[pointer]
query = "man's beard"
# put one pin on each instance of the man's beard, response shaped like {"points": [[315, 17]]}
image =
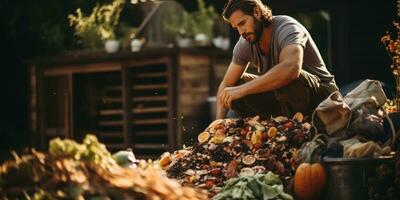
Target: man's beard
{"points": [[259, 25]]}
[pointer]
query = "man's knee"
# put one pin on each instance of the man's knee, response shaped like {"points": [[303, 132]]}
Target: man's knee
{"points": [[296, 96], [294, 90], [299, 93]]}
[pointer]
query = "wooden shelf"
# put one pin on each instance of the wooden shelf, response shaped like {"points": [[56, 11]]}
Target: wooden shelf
{"points": [[150, 75], [111, 112], [110, 123], [135, 110], [149, 98], [150, 133], [150, 86], [150, 110], [150, 121], [111, 99]]}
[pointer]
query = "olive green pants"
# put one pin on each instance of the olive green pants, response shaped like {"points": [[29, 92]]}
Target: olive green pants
{"points": [[301, 95]]}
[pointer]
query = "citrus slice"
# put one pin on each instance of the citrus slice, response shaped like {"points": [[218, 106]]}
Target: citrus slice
{"points": [[248, 160], [203, 137]]}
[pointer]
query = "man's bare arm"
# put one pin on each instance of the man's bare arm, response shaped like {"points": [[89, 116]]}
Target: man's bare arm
{"points": [[288, 69], [231, 77]]}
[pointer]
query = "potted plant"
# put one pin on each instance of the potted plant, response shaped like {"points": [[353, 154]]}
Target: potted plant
{"points": [[197, 25], [99, 27], [204, 19], [181, 25]]}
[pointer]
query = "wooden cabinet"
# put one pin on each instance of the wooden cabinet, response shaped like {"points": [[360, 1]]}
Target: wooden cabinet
{"points": [[151, 101]]}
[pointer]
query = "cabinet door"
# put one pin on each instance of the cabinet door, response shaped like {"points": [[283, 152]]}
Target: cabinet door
{"points": [[55, 105]]}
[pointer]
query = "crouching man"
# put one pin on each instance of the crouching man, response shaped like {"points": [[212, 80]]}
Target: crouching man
{"points": [[292, 75]]}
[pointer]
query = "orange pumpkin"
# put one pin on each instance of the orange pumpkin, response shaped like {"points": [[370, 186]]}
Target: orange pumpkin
{"points": [[309, 181], [310, 178]]}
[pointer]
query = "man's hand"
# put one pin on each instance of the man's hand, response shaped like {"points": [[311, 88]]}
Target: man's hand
{"points": [[231, 78], [228, 94]]}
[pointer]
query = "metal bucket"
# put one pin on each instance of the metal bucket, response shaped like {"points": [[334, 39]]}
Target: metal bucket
{"points": [[347, 177]]}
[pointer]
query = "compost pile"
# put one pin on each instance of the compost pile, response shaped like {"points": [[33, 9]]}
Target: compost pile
{"points": [[85, 171], [230, 148]]}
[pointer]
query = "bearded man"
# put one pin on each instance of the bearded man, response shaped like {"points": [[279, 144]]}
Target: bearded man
{"points": [[292, 76]]}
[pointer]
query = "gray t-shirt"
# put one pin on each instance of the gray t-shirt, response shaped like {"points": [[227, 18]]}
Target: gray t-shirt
{"points": [[285, 31]]}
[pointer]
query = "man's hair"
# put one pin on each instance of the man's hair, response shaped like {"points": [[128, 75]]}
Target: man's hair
{"points": [[247, 7]]}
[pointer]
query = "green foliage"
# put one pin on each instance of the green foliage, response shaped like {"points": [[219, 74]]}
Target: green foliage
{"points": [[204, 19], [90, 150], [99, 25], [259, 186], [181, 25], [190, 24]]}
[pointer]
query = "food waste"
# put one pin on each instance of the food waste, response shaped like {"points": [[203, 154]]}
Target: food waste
{"points": [[229, 148]]}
